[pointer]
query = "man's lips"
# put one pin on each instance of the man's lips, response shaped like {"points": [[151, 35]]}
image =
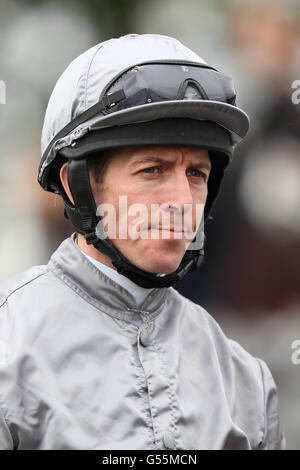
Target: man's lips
{"points": [[168, 229], [165, 228]]}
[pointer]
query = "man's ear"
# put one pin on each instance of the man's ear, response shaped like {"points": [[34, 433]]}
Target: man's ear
{"points": [[64, 181]]}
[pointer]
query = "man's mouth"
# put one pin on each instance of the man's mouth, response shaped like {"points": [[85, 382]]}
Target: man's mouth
{"points": [[168, 229]]}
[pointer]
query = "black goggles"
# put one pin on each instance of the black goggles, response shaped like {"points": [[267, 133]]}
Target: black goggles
{"points": [[156, 82]]}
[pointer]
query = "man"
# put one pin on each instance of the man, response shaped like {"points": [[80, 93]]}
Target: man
{"points": [[99, 350]]}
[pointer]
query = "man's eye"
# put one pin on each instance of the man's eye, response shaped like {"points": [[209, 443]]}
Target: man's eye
{"points": [[148, 170], [198, 173]]}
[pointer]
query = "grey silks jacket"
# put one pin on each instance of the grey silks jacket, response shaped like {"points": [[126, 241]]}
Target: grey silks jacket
{"points": [[76, 372]]}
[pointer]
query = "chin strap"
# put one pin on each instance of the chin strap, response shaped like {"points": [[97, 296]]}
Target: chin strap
{"points": [[150, 280], [85, 220]]}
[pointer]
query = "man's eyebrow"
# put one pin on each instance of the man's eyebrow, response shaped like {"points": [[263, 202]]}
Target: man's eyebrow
{"points": [[149, 159], [202, 165]]}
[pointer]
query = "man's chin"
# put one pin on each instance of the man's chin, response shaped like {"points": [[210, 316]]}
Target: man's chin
{"points": [[159, 267], [154, 258]]}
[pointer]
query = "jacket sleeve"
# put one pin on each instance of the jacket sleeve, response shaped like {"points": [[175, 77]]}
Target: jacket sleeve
{"points": [[6, 441], [274, 438]]}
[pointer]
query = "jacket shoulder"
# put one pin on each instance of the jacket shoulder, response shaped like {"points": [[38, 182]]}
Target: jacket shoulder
{"points": [[224, 347], [20, 281], [238, 370]]}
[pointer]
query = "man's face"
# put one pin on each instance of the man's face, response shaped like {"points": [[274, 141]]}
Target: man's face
{"points": [[154, 178]]}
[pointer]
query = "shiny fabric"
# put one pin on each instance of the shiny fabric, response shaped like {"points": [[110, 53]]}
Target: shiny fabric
{"points": [[76, 372]]}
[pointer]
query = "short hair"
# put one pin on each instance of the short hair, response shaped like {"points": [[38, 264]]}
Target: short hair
{"points": [[98, 164]]}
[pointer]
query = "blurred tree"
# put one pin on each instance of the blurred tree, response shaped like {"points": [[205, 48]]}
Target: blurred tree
{"points": [[115, 17]]}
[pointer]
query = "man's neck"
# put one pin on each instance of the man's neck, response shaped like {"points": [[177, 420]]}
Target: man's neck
{"points": [[91, 251], [138, 292]]}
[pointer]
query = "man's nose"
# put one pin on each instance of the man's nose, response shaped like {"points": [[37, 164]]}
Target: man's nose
{"points": [[179, 193]]}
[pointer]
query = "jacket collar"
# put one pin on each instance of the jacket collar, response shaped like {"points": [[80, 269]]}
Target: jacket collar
{"points": [[72, 267]]}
